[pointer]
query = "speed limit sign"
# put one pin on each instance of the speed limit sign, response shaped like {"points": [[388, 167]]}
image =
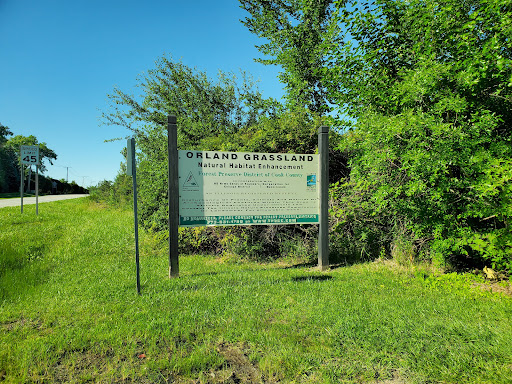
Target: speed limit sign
{"points": [[29, 154]]}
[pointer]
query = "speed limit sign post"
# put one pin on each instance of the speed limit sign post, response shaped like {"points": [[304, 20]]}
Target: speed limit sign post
{"points": [[29, 155]]}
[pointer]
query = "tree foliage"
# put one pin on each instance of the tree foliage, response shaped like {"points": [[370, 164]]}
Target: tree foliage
{"points": [[296, 32], [8, 169], [423, 166], [206, 109], [428, 55], [415, 176], [9, 157], [45, 153], [430, 84], [427, 87], [226, 115], [292, 131], [4, 133]]}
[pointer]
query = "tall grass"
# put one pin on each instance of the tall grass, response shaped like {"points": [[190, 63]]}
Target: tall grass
{"points": [[70, 313]]}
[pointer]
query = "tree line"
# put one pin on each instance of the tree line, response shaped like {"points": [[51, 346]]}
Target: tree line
{"points": [[10, 168], [418, 94]]}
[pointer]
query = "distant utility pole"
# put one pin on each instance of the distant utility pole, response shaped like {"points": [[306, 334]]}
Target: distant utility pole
{"points": [[67, 171]]}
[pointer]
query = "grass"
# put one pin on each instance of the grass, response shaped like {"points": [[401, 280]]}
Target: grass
{"points": [[70, 313]]}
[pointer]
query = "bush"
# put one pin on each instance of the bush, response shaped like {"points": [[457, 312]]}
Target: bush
{"points": [[416, 180], [257, 243]]}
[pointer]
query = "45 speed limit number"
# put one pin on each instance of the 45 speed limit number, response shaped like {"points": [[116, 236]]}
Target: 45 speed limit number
{"points": [[29, 154]]}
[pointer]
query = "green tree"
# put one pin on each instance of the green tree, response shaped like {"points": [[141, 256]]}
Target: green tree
{"points": [[8, 164], [205, 109], [289, 131], [296, 32], [14, 145], [427, 87], [4, 133], [430, 86], [428, 55], [45, 153]]}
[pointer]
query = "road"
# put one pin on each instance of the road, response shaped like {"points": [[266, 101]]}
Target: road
{"points": [[16, 202]]}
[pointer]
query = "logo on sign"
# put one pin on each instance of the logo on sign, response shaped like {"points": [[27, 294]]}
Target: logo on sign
{"points": [[190, 183], [311, 180]]}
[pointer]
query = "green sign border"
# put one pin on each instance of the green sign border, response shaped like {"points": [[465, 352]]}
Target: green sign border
{"points": [[248, 220]]}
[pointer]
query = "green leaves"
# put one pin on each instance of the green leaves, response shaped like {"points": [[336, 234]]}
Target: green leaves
{"points": [[14, 143], [204, 107], [428, 86], [441, 181], [296, 32], [382, 44], [210, 112]]}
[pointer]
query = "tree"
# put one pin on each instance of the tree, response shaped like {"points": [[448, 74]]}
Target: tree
{"points": [[430, 86], [204, 108], [14, 145], [4, 132], [8, 168], [421, 54], [45, 153], [427, 85], [296, 32]]}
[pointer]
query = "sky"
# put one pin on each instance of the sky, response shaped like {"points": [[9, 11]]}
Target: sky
{"points": [[59, 59]]}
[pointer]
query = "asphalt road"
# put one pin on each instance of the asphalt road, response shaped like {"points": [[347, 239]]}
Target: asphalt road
{"points": [[16, 202]]}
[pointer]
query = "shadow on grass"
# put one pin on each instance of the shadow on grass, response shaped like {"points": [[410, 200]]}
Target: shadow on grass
{"points": [[334, 263], [301, 265], [204, 274], [312, 278]]}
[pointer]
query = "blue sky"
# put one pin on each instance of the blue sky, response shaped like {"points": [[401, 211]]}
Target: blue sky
{"points": [[60, 58]]}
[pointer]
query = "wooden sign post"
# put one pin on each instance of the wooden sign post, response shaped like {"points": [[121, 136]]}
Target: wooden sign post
{"points": [[323, 233], [172, 135]]}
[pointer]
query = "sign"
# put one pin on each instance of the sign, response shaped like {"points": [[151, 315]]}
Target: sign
{"points": [[243, 188], [232, 188], [29, 154], [130, 155]]}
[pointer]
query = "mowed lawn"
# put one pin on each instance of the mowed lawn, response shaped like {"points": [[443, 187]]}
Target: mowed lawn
{"points": [[70, 313]]}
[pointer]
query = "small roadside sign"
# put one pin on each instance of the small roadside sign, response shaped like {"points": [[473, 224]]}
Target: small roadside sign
{"points": [[130, 155], [29, 154]]}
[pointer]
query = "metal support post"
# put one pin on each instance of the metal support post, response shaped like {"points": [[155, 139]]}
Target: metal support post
{"points": [[22, 186], [131, 170], [37, 189]]}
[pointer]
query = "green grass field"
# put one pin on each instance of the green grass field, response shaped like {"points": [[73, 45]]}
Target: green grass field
{"points": [[70, 314]]}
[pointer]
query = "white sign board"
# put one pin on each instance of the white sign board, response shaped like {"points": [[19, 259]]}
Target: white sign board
{"points": [[242, 188], [29, 154]]}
